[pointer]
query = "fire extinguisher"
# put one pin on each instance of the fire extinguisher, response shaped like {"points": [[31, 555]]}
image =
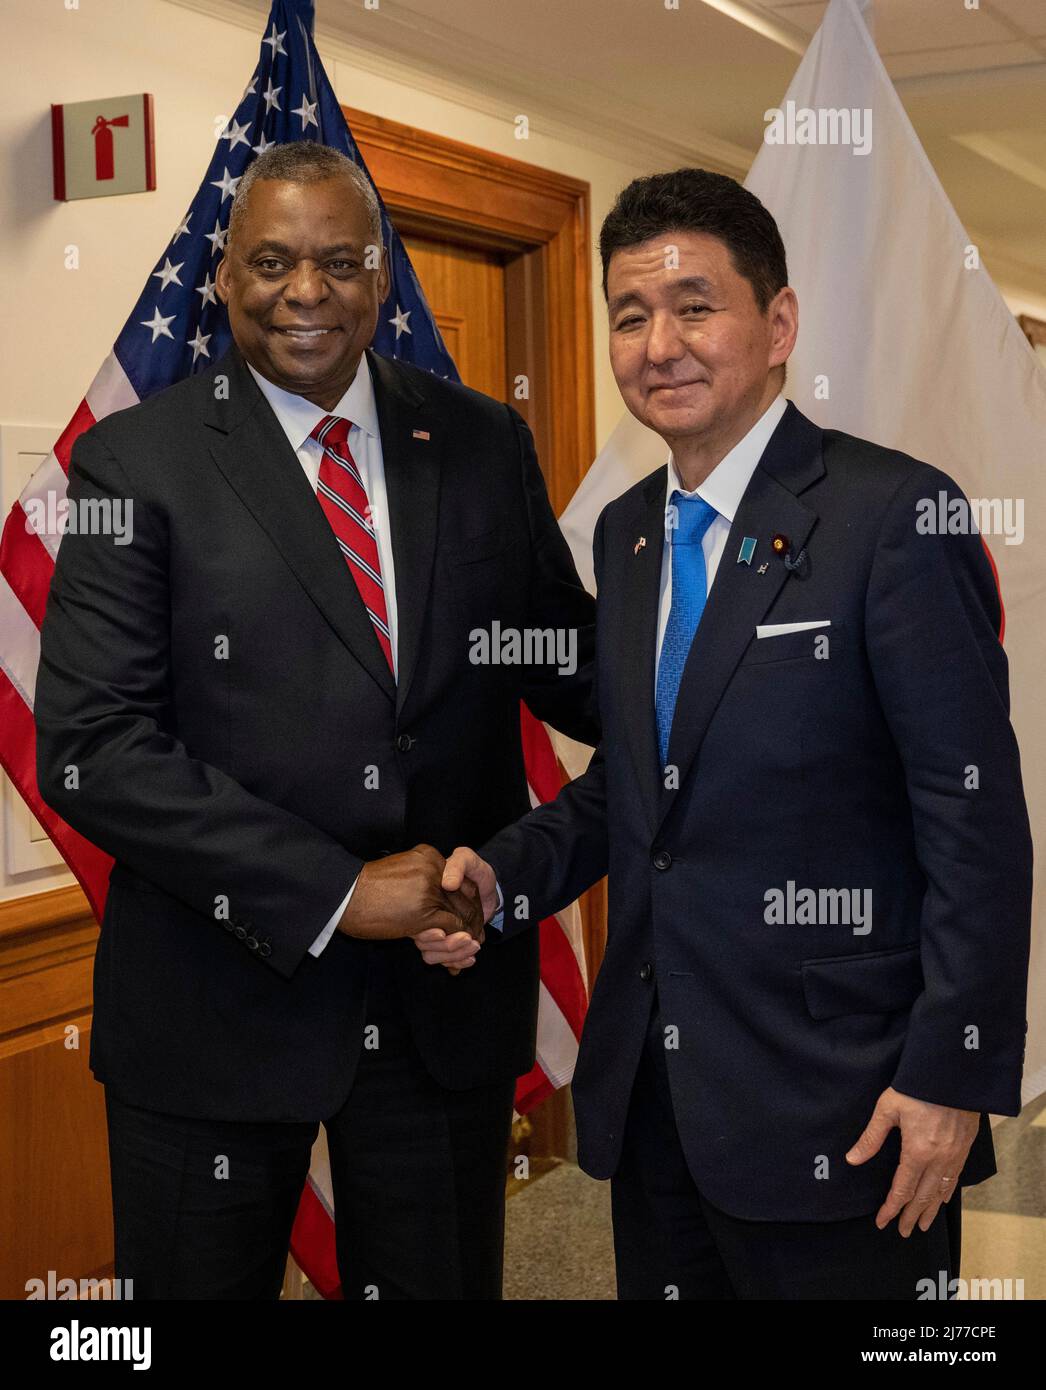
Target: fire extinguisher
{"points": [[103, 145]]}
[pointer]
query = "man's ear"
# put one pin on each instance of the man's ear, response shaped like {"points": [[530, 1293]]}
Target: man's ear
{"points": [[783, 314], [221, 279], [383, 276]]}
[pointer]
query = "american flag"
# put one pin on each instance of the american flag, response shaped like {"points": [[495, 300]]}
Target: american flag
{"points": [[177, 327]]}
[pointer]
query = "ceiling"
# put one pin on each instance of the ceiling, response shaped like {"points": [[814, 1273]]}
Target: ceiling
{"points": [[692, 83], [918, 37]]}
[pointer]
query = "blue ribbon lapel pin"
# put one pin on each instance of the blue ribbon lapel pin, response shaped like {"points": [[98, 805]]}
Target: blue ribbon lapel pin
{"points": [[745, 554]]}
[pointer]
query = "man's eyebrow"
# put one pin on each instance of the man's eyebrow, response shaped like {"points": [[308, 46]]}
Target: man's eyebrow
{"points": [[696, 284], [620, 300], [281, 249], [686, 284]]}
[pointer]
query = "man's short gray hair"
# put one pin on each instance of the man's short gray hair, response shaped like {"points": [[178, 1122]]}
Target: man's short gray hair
{"points": [[303, 161]]}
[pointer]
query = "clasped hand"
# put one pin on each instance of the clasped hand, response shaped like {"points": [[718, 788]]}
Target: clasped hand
{"points": [[408, 895], [464, 872]]}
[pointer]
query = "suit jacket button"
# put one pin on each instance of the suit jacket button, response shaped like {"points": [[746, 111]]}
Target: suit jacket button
{"points": [[662, 859], [405, 742], [229, 926], [265, 949], [646, 971], [252, 944], [241, 933]]}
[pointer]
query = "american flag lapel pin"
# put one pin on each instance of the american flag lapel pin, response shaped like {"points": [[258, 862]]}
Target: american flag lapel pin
{"points": [[421, 434], [639, 545]]}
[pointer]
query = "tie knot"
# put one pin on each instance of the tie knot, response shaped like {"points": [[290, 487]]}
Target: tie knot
{"points": [[688, 518], [332, 429]]}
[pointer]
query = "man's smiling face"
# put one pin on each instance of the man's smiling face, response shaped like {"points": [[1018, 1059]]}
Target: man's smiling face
{"points": [[689, 346], [302, 303]]}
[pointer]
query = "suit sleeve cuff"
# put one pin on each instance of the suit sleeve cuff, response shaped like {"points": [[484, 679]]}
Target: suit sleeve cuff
{"points": [[498, 920]]}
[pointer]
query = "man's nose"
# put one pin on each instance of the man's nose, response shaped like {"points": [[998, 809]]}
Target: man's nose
{"points": [[664, 341], [307, 285]]}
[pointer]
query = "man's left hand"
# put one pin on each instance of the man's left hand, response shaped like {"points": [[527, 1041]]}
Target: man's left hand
{"points": [[454, 950], [935, 1140]]}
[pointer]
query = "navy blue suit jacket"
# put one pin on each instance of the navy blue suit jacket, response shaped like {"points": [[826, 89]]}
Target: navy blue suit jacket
{"points": [[845, 765]]}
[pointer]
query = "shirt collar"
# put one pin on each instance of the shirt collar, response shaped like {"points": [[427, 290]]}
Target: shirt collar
{"points": [[299, 417], [725, 485]]}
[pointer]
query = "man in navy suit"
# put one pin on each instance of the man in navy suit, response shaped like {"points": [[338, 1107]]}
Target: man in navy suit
{"points": [[808, 799]]}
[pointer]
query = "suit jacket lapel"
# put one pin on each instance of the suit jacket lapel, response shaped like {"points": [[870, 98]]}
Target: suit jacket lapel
{"points": [[412, 444], [252, 451], [740, 595], [639, 621]]}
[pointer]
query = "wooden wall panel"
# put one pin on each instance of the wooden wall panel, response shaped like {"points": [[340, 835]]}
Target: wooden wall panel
{"points": [[55, 1212]]}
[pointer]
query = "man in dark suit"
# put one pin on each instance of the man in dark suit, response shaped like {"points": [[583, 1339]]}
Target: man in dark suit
{"points": [[258, 707], [808, 796]]}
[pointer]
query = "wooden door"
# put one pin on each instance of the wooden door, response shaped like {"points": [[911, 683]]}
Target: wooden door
{"points": [[465, 288]]}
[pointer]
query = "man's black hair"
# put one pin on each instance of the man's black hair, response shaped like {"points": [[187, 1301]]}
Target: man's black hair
{"points": [[696, 200]]}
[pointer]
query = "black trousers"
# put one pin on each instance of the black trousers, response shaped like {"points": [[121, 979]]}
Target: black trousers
{"points": [[670, 1242], [203, 1209]]}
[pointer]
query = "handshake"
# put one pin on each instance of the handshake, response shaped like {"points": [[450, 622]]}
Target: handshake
{"points": [[442, 904]]}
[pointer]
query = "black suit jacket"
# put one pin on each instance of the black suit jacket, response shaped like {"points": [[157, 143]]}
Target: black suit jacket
{"points": [[265, 778], [838, 767]]}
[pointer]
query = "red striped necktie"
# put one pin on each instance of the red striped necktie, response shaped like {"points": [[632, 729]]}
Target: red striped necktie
{"points": [[343, 497]]}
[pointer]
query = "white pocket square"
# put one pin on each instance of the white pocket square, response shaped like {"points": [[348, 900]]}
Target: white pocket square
{"points": [[779, 629]]}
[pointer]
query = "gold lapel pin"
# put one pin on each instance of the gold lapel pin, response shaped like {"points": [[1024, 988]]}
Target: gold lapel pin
{"points": [[639, 545]]}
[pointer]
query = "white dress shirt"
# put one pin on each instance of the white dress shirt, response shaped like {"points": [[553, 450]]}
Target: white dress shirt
{"points": [[298, 418], [722, 489]]}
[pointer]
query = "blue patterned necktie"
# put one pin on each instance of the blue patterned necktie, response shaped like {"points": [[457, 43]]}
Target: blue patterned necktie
{"points": [[693, 516]]}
